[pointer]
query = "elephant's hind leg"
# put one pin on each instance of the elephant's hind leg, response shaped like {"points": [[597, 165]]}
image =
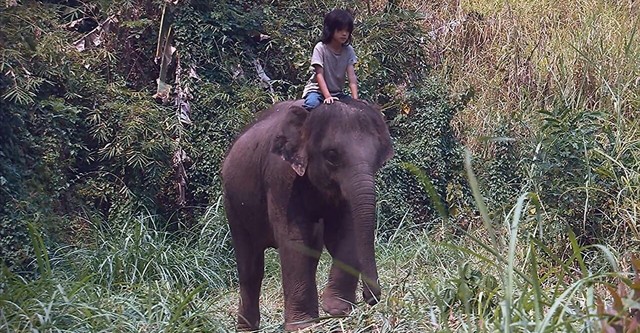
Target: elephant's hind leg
{"points": [[250, 262]]}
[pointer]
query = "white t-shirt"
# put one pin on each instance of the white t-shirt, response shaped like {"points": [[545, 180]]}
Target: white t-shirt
{"points": [[334, 66]]}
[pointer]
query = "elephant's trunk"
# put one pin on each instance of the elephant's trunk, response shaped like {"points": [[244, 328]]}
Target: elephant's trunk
{"points": [[363, 206]]}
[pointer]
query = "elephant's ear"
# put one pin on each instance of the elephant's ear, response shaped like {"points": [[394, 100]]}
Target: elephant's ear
{"points": [[386, 149], [289, 142], [385, 152]]}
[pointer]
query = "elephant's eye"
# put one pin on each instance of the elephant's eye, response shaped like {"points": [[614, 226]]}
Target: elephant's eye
{"points": [[332, 157]]}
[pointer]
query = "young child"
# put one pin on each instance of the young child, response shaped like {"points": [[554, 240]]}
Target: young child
{"points": [[333, 58]]}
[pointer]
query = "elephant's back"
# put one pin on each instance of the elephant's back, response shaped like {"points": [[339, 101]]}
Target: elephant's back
{"points": [[263, 127], [276, 111]]}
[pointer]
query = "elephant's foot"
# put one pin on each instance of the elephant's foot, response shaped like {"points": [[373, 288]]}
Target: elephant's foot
{"points": [[246, 324], [336, 305], [300, 326], [244, 327]]}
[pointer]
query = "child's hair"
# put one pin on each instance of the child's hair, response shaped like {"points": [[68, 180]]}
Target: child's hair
{"points": [[337, 19]]}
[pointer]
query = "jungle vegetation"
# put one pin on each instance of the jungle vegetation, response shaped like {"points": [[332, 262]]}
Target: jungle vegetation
{"points": [[512, 203]]}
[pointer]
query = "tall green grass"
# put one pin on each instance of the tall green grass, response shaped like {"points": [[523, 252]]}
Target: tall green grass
{"points": [[132, 278]]}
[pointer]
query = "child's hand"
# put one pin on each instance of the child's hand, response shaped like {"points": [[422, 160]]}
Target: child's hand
{"points": [[330, 100]]}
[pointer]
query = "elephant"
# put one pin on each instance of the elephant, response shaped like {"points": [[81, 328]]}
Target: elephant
{"points": [[300, 181]]}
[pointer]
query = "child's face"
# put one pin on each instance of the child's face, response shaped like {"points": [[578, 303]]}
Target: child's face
{"points": [[341, 35]]}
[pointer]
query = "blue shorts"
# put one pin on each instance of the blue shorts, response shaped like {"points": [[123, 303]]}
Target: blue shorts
{"points": [[314, 99]]}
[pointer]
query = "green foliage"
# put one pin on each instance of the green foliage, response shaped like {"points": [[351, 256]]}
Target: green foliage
{"points": [[39, 140], [471, 290], [502, 172], [133, 140], [218, 36], [75, 136], [423, 138], [138, 252], [519, 282], [565, 171], [382, 70], [15, 249]]}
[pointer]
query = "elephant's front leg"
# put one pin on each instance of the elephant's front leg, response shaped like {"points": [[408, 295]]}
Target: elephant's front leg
{"points": [[339, 295], [299, 240], [299, 261]]}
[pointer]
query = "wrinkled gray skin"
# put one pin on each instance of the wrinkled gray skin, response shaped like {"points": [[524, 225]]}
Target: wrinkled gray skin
{"points": [[298, 180]]}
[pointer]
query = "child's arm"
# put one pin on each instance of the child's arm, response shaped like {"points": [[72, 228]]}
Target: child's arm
{"points": [[322, 84], [353, 81]]}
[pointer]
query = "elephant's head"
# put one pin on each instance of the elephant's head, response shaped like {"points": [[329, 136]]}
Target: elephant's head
{"points": [[339, 147]]}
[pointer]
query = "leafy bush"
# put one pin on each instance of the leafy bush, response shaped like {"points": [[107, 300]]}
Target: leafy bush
{"points": [[577, 172], [423, 138], [132, 141], [382, 70], [15, 248], [41, 131], [502, 172], [75, 135]]}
